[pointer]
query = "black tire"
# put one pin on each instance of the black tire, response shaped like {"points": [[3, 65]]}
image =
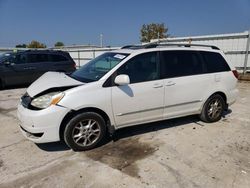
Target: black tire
{"points": [[85, 131], [213, 109], [1, 84]]}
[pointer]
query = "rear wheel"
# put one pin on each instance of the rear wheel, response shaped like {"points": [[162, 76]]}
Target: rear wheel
{"points": [[213, 109], [85, 131]]}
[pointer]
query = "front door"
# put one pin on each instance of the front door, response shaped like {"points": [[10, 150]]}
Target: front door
{"points": [[141, 100]]}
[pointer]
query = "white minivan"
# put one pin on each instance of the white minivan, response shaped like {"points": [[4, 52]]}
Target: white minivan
{"points": [[130, 86]]}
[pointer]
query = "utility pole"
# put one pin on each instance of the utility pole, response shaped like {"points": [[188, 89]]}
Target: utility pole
{"points": [[101, 40]]}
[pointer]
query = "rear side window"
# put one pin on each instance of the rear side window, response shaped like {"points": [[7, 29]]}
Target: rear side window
{"points": [[37, 58], [181, 63], [57, 58], [215, 62]]}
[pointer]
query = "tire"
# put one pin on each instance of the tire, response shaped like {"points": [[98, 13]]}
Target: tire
{"points": [[213, 109], [1, 84], [85, 131]]}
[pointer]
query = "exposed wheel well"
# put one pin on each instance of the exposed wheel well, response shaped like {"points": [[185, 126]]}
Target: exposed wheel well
{"points": [[222, 94], [73, 113]]}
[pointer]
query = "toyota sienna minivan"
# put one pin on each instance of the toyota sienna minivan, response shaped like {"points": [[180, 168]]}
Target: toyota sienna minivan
{"points": [[130, 86]]}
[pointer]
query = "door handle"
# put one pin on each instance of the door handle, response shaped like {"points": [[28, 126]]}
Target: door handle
{"points": [[29, 68], [157, 85], [170, 83]]}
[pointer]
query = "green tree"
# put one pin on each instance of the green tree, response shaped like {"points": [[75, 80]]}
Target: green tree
{"points": [[153, 31], [21, 46], [36, 44], [59, 44]]}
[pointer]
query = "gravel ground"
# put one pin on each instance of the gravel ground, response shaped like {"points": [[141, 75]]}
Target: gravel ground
{"points": [[183, 152]]}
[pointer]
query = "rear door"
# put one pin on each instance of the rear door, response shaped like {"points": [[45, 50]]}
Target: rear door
{"points": [[142, 99], [186, 83]]}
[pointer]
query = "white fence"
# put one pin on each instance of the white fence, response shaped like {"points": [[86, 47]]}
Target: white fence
{"points": [[82, 55], [235, 46]]}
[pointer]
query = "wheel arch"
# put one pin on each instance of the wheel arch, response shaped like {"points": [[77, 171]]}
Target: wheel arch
{"points": [[73, 113], [222, 94]]}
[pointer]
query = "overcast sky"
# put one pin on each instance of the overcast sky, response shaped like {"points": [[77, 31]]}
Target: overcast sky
{"points": [[82, 21]]}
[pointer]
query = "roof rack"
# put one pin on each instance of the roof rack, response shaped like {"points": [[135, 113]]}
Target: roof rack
{"points": [[154, 45]]}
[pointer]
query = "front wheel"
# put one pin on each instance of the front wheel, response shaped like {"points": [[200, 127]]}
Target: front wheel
{"points": [[85, 131], [213, 109]]}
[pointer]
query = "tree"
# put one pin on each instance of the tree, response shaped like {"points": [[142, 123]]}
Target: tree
{"points": [[153, 31], [36, 44], [59, 44], [21, 46]]}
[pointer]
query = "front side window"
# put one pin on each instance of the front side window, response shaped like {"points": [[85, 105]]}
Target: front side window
{"points": [[18, 58], [98, 67], [181, 63], [141, 68]]}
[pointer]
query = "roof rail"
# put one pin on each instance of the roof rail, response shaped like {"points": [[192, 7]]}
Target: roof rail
{"points": [[188, 45], [154, 45], [134, 47]]}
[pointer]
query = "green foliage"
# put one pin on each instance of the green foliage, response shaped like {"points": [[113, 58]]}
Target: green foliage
{"points": [[153, 31], [59, 44], [21, 46], [36, 44]]}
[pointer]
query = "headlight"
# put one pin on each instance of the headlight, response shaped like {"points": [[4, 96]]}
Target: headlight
{"points": [[46, 100]]}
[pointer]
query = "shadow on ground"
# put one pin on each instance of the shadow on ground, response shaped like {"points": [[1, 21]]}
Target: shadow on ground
{"points": [[134, 130], [128, 132]]}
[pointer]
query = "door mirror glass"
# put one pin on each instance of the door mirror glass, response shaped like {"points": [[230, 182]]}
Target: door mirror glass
{"points": [[122, 80]]}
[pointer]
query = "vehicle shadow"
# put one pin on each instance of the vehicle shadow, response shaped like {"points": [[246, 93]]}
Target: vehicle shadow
{"points": [[153, 127], [135, 130], [53, 146]]}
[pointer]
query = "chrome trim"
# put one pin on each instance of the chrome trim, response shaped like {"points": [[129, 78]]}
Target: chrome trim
{"points": [[139, 111], [157, 108], [184, 103]]}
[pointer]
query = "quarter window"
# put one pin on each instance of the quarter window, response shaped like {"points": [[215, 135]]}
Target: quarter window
{"points": [[215, 62], [141, 68]]}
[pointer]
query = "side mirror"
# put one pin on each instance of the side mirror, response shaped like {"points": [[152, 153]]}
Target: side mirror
{"points": [[122, 80]]}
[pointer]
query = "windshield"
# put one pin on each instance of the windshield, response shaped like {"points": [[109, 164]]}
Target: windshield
{"points": [[98, 67]]}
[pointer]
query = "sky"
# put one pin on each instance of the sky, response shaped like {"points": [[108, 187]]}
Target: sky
{"points": [[82, 21]]}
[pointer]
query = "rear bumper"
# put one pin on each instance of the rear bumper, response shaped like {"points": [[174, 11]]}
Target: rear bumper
{"points": [[232, 96]]}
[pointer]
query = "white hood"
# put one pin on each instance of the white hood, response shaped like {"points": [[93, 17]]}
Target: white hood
{"points": [[51, 80]]}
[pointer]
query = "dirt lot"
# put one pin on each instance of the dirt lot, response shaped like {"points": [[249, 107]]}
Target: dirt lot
{"points": [[183, 152]]}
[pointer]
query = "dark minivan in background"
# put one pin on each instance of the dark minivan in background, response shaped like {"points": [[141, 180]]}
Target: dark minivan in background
{"points": [[21, 68]]}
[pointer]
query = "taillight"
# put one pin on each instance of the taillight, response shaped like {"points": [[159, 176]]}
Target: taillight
{"points": [[236, 74]]}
